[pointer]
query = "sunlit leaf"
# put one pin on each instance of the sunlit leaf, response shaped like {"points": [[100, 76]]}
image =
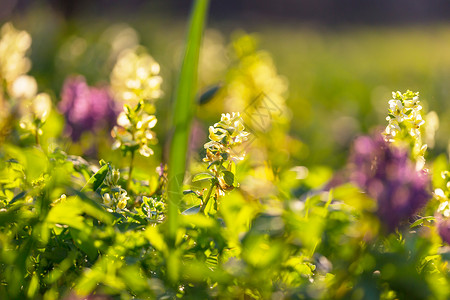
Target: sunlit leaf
{"points": [[96, 180], [192, 210], [202, 177]]}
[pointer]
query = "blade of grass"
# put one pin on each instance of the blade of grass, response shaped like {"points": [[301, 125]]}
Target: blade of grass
{"points": [[182, 117]]}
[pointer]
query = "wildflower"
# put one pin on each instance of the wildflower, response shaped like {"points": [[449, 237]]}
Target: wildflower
{"points": [[153, 207], [116, 197], [224, 135], [86, 108], [112, 178], [13, 46], [136, 82], [24, 87], [107, 199], [254, 86], [443, 226], [388, 175], [37, 112], [41, 106], [135, 131], [444, 208], [34, 107], [405, 124], [135, 77], [442, 195], [212, 62], [122, 200]]}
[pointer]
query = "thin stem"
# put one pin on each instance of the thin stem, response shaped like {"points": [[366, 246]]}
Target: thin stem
{"points": [[213, 183], [130, 169], [36, 137]]}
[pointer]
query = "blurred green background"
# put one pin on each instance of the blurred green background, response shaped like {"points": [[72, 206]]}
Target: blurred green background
{"points": [[341, 67]]}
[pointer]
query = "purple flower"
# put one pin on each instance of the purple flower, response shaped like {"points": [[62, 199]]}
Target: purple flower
{"points": [[443, 226], [86, 108], [388, 175]]}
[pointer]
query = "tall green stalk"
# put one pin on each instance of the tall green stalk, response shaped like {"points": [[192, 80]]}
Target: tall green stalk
{"points": [[183, 112]]}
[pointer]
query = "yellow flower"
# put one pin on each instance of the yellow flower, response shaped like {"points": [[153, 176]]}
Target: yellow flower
{"points": [[41, 106], [224, 135], [38, 109], [13, 46], [136, 77], [405, 122], [107, 199], [23, 87]]}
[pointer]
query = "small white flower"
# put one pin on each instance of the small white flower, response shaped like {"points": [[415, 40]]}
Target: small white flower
{"points": [[107, 199], [144, 150], [24, 87], [122, 120], [41, 106]]}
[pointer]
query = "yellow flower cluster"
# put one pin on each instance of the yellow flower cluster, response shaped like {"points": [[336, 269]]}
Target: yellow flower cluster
{"points": [[224, 135], [21, 88], [37, 110], [443, 195], [405, 122], [13, 46], [117, 198], [136, 82], [135, 77], [254, 85], [404, 109], [134, 133]]}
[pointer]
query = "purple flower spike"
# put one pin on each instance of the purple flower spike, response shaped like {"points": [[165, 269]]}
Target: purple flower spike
{"points": [[388, 175], [443, 226], [86, 108]]}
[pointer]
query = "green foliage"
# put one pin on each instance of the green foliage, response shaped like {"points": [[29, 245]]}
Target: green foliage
{"points": [[246, 226]]}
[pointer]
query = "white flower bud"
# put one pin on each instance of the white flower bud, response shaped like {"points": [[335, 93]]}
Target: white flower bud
{"points": [[41, 106], [24, 87]]}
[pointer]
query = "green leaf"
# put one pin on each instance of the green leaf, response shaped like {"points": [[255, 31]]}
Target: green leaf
{"points": [[84, 242], [210, 208], [96, 180], [202, 177], [228, 177], [19, 196], [187, 192], [216, 162], [421, 221], [70, 212], [67, 213], [209, 94], [94, 209], [192, 210], [155, 238]]}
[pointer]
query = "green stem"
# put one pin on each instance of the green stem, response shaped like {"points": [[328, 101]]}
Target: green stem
{"points": [[205, 202], [130, 170], [36, 137]]}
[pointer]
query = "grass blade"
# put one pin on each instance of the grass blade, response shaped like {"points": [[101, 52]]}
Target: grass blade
{"points": [[185, 103], [183, 112]]}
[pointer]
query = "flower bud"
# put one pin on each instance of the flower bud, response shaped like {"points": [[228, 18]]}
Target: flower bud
{"points": [[41, 106], [116, 176], [24, 87], [107, 199]]}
